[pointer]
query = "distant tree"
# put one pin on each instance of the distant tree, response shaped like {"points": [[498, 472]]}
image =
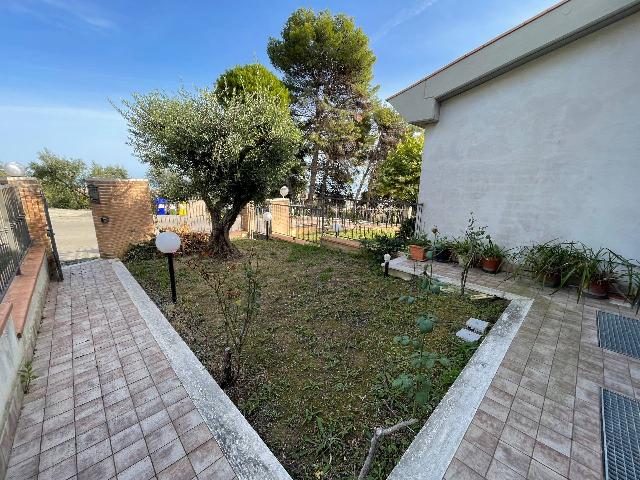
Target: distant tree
{"points": [[254, 77], [399, 174], [387, 129], [169, 184], [250, 79], [62, 180], [327, 66], [232, 150], [107, 171]]}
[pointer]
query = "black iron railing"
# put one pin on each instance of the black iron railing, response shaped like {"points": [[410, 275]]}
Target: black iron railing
{"points": [[339, 217], [14, 236]]}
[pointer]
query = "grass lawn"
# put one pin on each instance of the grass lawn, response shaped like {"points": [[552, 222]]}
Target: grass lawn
{"points": [[320, 359]]}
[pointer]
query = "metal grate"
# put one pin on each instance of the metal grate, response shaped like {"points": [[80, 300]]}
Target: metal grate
{"points": [[621, 435], [619, 334]]}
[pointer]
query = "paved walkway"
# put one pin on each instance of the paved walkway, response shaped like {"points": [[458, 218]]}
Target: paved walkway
{"points": [[540, 418], [106, 403]]}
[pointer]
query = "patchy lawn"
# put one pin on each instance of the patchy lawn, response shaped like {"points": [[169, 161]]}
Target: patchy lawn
{"points": [[320, 359]]}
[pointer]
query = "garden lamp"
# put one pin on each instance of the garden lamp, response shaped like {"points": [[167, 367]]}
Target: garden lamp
{"points": [[14, 169], [267, 220], [283, 191], [169, 243], [387, 259]]}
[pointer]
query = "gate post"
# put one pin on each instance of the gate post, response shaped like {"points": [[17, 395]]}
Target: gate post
{"points": [[122, 213]]}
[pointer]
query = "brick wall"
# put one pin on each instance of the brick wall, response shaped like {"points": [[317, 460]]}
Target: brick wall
{"points": [[30, 192], [123, 216]]}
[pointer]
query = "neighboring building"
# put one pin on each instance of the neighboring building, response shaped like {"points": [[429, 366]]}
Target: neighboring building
{"points": [[538, 131]]}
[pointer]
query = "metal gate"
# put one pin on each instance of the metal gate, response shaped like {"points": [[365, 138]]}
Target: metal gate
{"points": [[14, 236]]}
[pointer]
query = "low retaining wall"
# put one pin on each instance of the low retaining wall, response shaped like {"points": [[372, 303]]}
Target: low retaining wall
{"points": [[20, 315], [339, 243]]}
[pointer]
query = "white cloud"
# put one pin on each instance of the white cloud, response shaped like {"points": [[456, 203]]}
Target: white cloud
{"points": [[63, 13], [403, 16]]}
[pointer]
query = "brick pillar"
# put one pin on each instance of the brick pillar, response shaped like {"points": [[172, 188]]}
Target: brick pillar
{"points": [[247, 217], [280, 208], [122, 213], [31, 195]]}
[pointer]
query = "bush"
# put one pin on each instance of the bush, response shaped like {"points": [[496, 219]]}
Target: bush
{"points": [[407, 228], [191, 243], [381, 244]]}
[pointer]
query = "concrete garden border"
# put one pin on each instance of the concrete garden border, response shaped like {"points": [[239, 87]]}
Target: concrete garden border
{"points": [[433, 448], [247, 453], [426, 458]]}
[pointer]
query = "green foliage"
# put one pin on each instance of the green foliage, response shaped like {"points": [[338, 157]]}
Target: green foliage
{"points": [[492, 250], [379, 245], [398, 176], [420, 240], [252, 78], [169, 184], [407, 228], [62, 178], [327, 66], [318, 51], [108, 171], [27, 375], [232, 151]]}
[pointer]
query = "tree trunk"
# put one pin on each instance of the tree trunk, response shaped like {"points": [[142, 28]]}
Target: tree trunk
{"points": [[362, 180], [313, 170], [219, 242]]}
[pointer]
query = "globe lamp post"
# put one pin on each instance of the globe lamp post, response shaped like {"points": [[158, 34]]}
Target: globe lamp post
{"points": [[169, 243]]}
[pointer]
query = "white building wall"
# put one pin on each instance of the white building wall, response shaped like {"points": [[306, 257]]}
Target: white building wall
{"points": [[548, 150]]}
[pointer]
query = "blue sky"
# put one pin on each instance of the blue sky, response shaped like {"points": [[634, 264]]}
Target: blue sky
{"points": [[62, 60]]}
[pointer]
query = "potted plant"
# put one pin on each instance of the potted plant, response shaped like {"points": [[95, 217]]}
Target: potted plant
{"points": [[596, 270], [419, 245], [550, 263], [442, 249], [492, 256]]}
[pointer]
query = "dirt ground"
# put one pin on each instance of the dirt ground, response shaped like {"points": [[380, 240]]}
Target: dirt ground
{"points": [[74, 233]]}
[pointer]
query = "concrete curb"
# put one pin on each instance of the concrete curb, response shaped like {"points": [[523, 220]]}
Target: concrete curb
{"points": [[433, 448], [247, 453]]}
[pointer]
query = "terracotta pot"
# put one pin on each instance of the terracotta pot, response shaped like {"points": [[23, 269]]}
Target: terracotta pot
{"points": [[597, 289], [417, 253], [491, 264]]}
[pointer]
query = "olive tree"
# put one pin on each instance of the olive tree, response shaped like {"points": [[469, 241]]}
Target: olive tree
{"points": [[229, 151]]}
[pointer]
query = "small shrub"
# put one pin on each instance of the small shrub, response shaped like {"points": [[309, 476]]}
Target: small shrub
{"points": [[407, 228], [379, 245], [27, 375]]}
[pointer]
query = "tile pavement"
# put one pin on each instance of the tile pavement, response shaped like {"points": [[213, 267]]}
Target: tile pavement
{"points": [[540, 418], [106, 403]]}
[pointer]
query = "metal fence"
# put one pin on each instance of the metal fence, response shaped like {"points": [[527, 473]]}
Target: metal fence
{"points": [[14, 236], [338, 217]]}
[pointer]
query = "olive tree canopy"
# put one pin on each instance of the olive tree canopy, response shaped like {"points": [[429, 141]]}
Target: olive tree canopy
{"points": [[229, 151]]}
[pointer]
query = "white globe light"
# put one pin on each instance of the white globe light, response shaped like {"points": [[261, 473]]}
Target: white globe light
{"points": [[283, 191], [168, 242], [14, 169], [267, 216], [387, 257]]}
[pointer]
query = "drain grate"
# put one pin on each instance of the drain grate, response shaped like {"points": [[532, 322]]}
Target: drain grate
{"points": [[621, 434], [619, 334]]}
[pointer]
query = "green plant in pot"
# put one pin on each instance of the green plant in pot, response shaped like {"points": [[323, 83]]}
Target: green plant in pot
{"points": [[597, 270], [492, 256], [550, 263], [419, 245], [441, 246]]}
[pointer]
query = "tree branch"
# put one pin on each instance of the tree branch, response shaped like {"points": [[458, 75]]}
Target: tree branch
{"points": [[378, 433]]}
